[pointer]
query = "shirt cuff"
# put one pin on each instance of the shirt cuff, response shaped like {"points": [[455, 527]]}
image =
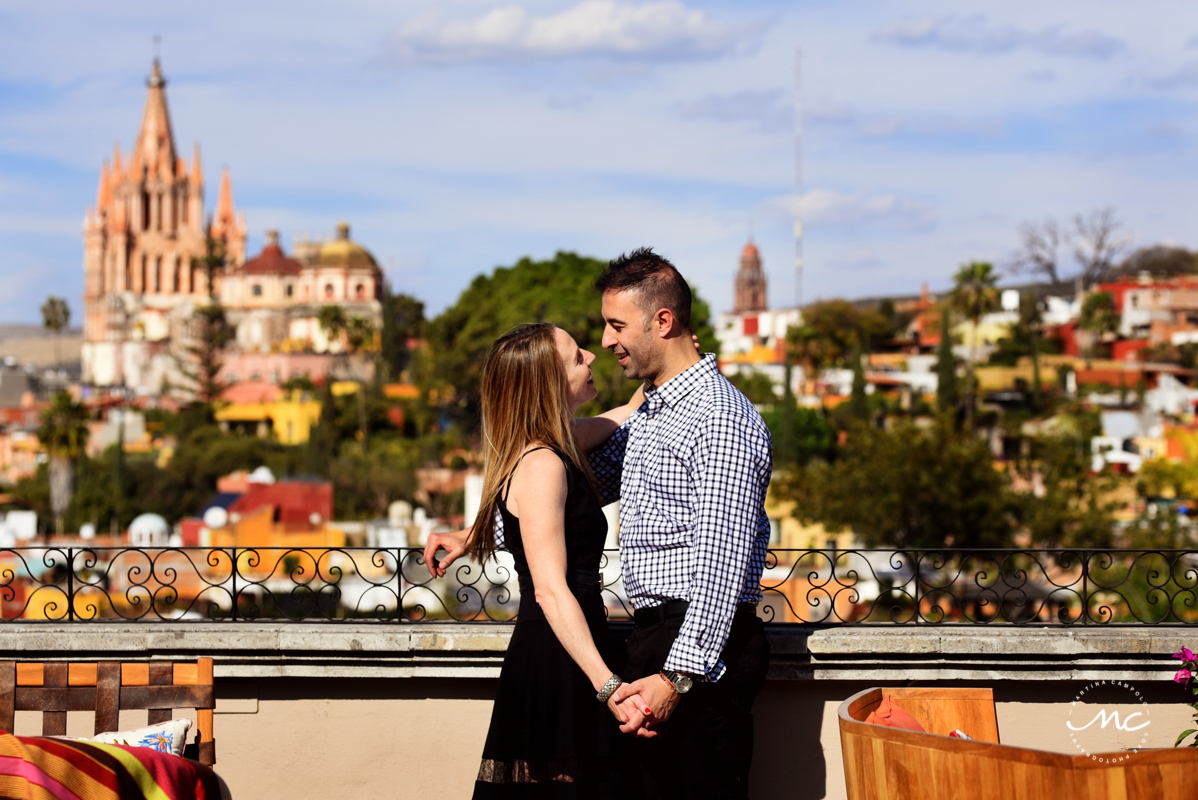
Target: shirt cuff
{"points": [[708, 672]]}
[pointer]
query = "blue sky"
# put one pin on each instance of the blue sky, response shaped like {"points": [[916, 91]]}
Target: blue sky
{"points": [[459, 135]]}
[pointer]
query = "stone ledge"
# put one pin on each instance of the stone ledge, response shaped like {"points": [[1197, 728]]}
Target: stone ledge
{"points": [[475, 650]]}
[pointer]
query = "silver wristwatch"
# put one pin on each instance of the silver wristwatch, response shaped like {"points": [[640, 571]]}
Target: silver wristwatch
{"points": [[609, 688], [680, 683]]}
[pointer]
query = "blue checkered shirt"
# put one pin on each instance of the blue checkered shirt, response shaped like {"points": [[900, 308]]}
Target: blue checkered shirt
{"points": [[691, 467]]}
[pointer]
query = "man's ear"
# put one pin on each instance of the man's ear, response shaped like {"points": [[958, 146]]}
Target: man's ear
{"points": [[664, 323]]}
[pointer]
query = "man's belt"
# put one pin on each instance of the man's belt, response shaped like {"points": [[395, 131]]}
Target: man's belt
{"points": [[655, 615]]}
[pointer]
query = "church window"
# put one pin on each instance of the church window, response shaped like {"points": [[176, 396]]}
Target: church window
{"points": [[328, 290], [289, 290], [158, 274], [360, 290], [257, 290]]}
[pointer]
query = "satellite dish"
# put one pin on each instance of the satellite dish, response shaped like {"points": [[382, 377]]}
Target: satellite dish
{"points": [[216, 517]]}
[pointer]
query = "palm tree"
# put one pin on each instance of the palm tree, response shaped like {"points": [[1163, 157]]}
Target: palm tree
{"points": [[56, 315], [975, 295], [63, 433]]}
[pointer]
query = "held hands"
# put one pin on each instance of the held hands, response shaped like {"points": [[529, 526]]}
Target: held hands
{"points": [[654, 692], [633, 713]]}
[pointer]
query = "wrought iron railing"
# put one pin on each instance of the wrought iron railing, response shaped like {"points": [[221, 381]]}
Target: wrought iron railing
{"points": [[807, 587]]}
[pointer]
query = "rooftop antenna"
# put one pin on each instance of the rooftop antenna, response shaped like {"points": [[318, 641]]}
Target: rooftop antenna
{"points": [[798, 204], [157, 46]]}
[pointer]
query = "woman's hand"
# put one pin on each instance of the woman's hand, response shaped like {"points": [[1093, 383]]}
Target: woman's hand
{"points": [[453, 542]]}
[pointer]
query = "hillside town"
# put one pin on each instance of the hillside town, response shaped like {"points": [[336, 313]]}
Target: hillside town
{"points": [[306, 363], [599, 398]]}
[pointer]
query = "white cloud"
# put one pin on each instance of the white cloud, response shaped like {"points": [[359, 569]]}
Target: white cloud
{"points": [[832, 209], [829, 114], [666, 31], [767, 108], [1185, 75], [974, 34]]}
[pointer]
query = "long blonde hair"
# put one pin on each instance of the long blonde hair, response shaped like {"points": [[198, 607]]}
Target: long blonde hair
{"points": [[525, 399]]}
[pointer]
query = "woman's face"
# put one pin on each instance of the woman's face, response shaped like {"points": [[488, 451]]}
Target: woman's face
{"points": [[579, 382]]}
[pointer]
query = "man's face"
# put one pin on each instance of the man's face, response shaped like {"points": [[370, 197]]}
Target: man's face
{"points": [[625, 335]]}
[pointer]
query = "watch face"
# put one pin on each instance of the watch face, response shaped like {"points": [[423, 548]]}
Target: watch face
{"points": [[681, 683]]}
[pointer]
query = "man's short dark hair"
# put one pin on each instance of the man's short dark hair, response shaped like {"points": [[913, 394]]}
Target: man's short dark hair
{"points": [[654, 282]]}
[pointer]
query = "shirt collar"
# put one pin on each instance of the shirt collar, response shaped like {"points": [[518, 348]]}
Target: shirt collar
{"points": [[681, 384]]}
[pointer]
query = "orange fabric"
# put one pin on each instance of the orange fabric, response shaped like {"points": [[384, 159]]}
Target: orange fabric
{"points": [[889, 713]]}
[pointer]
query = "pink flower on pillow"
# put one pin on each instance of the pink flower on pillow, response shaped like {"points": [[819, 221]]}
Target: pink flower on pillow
{"points": [[159, 740], [1185, 655], [1183, 676]]}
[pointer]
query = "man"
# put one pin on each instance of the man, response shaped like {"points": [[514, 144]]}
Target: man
{"points": [[691, 468]]}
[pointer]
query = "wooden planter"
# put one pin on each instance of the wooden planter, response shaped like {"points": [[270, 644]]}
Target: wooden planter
{"points": [[883, 763]]}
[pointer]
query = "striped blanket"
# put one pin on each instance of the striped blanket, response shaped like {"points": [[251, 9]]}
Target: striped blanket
{"points": [[60, 769]]}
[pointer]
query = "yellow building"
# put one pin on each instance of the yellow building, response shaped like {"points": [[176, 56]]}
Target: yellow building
{"points": [[288, 420]]}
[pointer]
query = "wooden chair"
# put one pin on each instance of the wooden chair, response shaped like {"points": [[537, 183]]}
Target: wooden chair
{"points": [[56, 687], [883, 763]]}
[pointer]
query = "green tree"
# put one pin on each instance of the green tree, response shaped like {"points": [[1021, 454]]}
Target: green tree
{"points": [[1066, 506], [366, 482], [975, 294], [811, 436], [56, 315], [756, 386], [1098, 317], [63, 433], [403, 321], [211, 330], [560, 291], [914, 486], [947, 391], [356, 338], [858, 405]]}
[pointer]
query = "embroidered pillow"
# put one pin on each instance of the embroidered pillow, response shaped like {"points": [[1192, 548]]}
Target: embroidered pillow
{"points": [[165, 737]]}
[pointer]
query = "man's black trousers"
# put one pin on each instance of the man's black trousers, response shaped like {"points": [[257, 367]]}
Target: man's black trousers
{"points": [[705, 748]]}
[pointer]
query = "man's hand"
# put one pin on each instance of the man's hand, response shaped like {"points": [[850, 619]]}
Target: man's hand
{"points": [[453, 542], [656, 691], [633, 715]]}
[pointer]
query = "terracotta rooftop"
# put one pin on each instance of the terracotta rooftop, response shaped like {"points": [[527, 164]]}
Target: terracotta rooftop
{"points": [[272, 260]]}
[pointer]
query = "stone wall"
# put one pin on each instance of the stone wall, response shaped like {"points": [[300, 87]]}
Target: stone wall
{"points": [[401, 711]]}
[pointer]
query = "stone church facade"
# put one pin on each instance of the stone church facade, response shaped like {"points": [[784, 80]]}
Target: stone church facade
{"points": [[143, 284]]}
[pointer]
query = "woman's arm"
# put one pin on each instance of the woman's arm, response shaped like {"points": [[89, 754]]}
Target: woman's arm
{"points": [[538, 498], [590, 432]]}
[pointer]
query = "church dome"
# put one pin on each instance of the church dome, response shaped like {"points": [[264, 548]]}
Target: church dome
{"points": [[341, 252], [750, 251], [272, 260]]}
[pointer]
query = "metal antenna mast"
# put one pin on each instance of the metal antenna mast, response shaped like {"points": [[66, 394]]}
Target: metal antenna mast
{"points": [[798, 204]]}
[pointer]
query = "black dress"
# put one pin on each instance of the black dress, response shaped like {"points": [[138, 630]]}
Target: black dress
{"points": [[549, 736]]}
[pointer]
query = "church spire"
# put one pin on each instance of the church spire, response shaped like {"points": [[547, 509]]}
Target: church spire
{"points": [[224, 220], [197, 171], [155, 147], [750, 281], [104, 193]]}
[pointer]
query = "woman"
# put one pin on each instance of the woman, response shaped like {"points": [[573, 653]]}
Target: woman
{"points": [[548, 735]]}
